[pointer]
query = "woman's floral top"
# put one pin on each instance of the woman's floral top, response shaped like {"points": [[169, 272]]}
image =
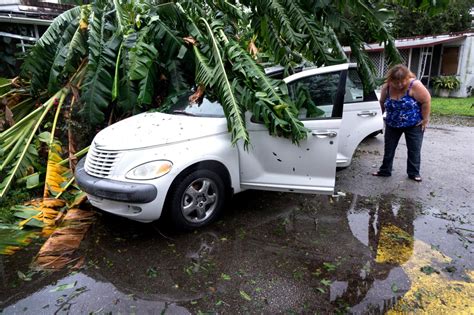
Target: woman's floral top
{"points": [[405, 112]]}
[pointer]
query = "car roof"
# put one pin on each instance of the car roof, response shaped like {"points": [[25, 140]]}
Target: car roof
{"points": [[277, 71]]}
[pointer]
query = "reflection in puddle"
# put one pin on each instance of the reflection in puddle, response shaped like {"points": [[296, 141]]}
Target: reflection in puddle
{"points": [[433, 290], [390, 228], [81, 294], [276, 253]]}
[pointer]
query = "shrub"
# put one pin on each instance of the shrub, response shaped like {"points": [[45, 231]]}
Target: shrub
{"points": [[448, 82]]}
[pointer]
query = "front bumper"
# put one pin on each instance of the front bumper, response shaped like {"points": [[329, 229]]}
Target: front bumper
{"points": [[113, 189]]}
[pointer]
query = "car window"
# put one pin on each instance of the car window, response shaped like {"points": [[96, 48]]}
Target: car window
{"points": [[315, 95], [354, 88], [205, 108]]}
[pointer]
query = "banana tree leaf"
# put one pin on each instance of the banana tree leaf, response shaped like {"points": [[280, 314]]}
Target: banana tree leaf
{"points": [[33, 181], [12, 238], [25, 212]]}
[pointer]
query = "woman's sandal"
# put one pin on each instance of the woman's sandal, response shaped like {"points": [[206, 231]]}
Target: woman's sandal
{"points": [[416, 178], [380, 174]]}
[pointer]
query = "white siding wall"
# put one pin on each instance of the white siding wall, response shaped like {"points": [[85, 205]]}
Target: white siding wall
{"points": [[466, 68]]}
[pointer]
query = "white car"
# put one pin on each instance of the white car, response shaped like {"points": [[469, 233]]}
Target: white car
{"points": [[183, 164]]}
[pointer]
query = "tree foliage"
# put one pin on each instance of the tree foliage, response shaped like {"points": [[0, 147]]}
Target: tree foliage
{"points": [[413, 18], [136, 48]]}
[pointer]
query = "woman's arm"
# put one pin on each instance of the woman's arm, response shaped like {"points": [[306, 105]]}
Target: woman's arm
{"points": [[422, 95], [383, 96]]}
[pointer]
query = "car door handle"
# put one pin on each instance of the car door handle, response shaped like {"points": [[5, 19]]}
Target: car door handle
{"points": [[367, 114], [324, 134]]}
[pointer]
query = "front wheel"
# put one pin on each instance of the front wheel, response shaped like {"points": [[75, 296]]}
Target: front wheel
{"points": [[197, 199]]}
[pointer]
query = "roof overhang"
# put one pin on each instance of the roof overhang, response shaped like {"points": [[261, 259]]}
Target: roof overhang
{"points": [[414, 42], [31, 11], [24, 20]]}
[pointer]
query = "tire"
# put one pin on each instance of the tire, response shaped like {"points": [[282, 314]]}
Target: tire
{"points": [[197, 200]]}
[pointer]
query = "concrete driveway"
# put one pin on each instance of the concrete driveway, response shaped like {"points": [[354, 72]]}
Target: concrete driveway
{"points": [[447, 168]]}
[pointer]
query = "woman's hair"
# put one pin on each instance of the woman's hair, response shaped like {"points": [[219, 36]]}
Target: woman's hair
{"points": [[399, 72]]}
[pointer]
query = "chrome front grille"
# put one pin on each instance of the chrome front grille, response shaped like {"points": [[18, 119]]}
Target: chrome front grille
{"points": [[100, 163]]}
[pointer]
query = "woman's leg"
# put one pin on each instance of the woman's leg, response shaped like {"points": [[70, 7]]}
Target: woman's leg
{"points": [[392, 136], [414, 140]]}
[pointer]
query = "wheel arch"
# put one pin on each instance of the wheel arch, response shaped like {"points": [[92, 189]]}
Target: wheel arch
{"points": [[212, 165]]}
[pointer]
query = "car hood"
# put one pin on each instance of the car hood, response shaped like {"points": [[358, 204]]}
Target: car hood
{"points": [[154, 129]]}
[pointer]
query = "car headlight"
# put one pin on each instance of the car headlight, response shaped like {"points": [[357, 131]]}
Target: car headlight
{"points": [[150, 170]]}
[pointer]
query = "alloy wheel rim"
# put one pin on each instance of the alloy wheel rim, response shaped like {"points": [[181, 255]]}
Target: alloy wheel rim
{"points": [[199, 200]]}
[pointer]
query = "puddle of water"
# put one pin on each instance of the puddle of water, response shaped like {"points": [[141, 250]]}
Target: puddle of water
{"points": [[274, 253], [80, 294]]}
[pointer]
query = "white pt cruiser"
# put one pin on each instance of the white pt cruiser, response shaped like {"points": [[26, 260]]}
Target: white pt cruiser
{"points": [[182, 165]]}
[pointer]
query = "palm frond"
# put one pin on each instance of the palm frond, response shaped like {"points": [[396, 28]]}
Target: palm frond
{"points": [[23, 108], [375, 20], [142, 66], [141, 59], [171, 45], [226, 89], [121, 15], [365, 66], [13, 238], [193, 9], [39, 212], [337, 50], [126, 89], [271, 40], [77, 49], [234, 11], [23, 146], [270, 93], [146, 85], [97, 88], [55, 179], [319, 46], [13, 145], [176, 72], [19, 125], [279, 12], [32, 180], [5, 86], [60, 248], [22, 152], [38, 63], [204, 71], [54, 171], [60, 56]]}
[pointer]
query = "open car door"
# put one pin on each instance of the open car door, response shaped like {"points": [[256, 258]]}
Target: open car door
{"points": [[275, 163]]}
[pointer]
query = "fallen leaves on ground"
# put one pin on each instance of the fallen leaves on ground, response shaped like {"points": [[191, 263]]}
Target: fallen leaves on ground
{"points": [[60, 249]]}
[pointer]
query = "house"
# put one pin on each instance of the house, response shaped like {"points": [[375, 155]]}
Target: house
{"points": [[430, 56], [22, 22]]}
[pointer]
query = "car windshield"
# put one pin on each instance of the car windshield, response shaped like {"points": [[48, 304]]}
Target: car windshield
{"points": [[205, 108]]}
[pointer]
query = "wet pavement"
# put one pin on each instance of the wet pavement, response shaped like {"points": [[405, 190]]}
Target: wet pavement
{"points": [[383, 245]]}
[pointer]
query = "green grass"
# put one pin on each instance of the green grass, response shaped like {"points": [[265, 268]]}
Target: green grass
{"points": [[452, 106]]}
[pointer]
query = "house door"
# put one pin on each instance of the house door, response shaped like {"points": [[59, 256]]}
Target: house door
{"points": [[450, 59]]}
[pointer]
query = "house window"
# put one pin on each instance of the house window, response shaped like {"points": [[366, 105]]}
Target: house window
{"points": [[377, 59], [449, 63]]}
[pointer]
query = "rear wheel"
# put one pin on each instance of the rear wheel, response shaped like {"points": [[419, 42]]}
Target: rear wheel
{"points": [[197, 199]]}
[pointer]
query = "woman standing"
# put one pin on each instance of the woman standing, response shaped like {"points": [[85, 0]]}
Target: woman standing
{"points": [[407, 103]]}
